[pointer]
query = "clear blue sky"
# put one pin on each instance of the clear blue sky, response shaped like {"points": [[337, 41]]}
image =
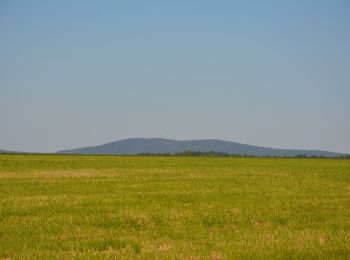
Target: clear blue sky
{"points": [[269, 73]]}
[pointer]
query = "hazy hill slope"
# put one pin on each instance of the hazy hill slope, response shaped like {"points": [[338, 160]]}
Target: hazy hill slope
{"points": [[5, 151], [161, 146]]}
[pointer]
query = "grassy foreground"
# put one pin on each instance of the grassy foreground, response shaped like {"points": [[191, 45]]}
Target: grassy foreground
{"points": [[173, 207]]}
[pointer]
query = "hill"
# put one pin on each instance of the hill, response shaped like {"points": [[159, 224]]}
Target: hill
{"points": [[168, 146], [4, 151]]}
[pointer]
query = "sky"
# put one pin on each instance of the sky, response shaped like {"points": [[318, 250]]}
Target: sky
{"points": [[269, 73]]}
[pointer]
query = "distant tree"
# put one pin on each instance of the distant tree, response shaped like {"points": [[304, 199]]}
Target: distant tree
{"points": [[301, 156]]}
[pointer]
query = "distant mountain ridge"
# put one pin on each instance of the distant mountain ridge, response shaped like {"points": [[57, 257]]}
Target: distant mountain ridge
{"points": [[5, 151], [134, 146]]}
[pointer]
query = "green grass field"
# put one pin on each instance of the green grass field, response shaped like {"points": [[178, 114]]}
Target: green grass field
{"points": [[173, 207]]}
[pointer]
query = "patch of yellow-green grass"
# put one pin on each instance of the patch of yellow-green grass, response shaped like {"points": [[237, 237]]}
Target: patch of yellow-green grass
{"points": [[173, 207]]}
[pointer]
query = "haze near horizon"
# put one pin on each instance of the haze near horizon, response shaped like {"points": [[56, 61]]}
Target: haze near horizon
{"points": [[272, 74]]}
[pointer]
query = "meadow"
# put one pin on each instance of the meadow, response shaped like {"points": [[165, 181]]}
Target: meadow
{"points": [[129, 207]]}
